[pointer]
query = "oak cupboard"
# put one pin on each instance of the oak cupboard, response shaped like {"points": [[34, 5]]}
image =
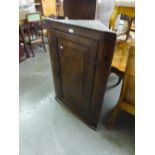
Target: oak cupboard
{"points": [[81, 52]]}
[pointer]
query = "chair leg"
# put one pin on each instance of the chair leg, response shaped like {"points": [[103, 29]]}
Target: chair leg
{"points": [[129, 27], [21, 32], [32, 50], [43, 37], [28, 31], [44, 45]]}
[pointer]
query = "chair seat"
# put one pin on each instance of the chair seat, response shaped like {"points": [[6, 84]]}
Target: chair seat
{"points": [[34, 40], [38, 40], [125, 3], [121, 55]]}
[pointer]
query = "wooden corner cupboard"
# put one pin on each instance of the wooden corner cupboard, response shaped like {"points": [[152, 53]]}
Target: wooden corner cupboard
{"points": [[81, 53]]}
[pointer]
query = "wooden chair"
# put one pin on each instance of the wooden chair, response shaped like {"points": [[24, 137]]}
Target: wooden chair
{"points": [[123, 7], [127, 97], [121, 52], [120, 58], [35, 30]]}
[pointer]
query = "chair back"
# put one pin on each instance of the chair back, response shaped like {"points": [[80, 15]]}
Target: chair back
{"points": [[128, 87], [33, 17]]}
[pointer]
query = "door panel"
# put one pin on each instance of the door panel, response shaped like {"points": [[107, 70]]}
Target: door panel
{"points": [[72, 71], [76, 59]]}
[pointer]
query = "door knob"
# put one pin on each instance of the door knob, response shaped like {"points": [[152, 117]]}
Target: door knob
{"points": [[61, 47]]}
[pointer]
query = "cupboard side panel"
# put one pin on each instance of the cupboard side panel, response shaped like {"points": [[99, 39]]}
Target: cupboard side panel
{"points": [[104, 57]]}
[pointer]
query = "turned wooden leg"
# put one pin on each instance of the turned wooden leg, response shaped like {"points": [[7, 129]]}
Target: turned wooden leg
{"points": [[42, 35], [129, 27], [44, 45], [32, 50], [23, 39], [29, 36]]}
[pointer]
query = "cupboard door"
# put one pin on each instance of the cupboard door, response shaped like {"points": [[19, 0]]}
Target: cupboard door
{"points": [[76, 57]]}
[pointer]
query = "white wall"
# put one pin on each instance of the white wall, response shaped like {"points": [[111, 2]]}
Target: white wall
{"points": [[29, 8], [104, 10], [23, 2]]}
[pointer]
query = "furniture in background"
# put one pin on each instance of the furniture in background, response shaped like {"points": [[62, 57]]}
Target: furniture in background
{"points": [[28, 7], [127, 97], [59, 8], [22, 39], [119, 62], [21, 53], [35, 30], [38, 6], [23, 11], [79, 9], [81, 52], [120, 58], [123, 7], [46, 7]]}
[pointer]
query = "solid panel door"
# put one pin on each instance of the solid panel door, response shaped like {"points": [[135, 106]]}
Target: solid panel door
{"points": [[77, 57]]}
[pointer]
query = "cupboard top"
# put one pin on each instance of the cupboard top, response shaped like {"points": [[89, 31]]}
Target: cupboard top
{"points": [[85, 26]]}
